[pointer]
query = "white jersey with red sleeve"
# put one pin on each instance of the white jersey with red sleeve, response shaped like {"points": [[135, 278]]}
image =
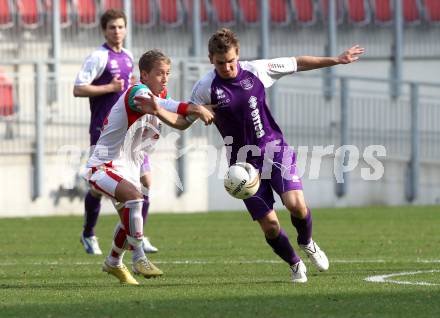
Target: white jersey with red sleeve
{"points": [[128, 134]]}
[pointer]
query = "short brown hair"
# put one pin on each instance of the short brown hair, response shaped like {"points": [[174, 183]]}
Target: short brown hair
{"points": [[151, 57], [222, 41], [112, 14]]}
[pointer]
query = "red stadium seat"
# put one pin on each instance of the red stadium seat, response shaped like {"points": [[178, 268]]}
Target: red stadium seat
{"points": [[112, 4], [249, 11], [6, 96], [143, 13], [87, 13], [65, 12], [339, 10], [279, 12], [6, 14], [432, 10], [305, 11], [382, 11], [224, 11], [170, 12], [204, 10], [29, 13], [411, 11], [358, 11]]}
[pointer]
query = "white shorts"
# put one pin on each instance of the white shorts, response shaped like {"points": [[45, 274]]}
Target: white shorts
{"points": [[105, 178]]}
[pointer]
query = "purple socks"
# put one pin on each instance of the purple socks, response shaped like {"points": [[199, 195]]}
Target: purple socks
{"points": [[92, 207], [145, 207], [281, 246], [303, 227]]}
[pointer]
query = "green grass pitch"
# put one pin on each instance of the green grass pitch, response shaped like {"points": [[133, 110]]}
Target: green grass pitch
{"points": [[218, 265]]}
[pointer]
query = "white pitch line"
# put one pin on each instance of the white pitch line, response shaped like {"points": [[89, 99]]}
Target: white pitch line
{"points": [[231, 262], [385, 278]]}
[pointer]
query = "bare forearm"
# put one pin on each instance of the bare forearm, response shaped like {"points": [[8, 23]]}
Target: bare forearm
{"points": [[173, 119], [307, 63], [92, 90], [194, 110]]}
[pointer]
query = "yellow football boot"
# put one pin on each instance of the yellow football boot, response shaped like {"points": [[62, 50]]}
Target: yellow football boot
{"points": [[145, 268], [120, 272]]}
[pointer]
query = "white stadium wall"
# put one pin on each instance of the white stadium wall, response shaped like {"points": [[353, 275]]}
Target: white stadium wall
{"points": [[204, 193], [207, 194]]}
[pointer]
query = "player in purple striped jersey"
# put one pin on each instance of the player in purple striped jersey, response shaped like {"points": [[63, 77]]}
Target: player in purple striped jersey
{"points": [[104, 77], [246, 124]]}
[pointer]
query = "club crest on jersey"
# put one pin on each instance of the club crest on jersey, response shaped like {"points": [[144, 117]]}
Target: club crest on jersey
{"points": [[247, 83]]}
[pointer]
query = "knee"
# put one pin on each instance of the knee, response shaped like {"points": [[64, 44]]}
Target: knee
{"points": [[297, 209], [129, 193], [271, 229], [135, 195]]}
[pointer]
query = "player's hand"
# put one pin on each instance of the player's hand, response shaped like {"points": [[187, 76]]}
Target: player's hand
{"points": [[147, 104], [117, 84], [351, 55], [205, 113], [210, 108]]}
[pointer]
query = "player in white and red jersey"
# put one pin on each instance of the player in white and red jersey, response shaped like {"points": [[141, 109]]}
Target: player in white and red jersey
{"points": [[103, 78], [115, 164]]}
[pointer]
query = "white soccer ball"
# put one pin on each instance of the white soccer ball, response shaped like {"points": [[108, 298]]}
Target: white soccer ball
{"points": [[242, 180]]}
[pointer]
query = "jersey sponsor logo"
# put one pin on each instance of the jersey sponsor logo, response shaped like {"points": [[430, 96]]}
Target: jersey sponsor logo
{"points": [[247, 83], [256, 118], [252, 102], [272, 66], [222, 98]]}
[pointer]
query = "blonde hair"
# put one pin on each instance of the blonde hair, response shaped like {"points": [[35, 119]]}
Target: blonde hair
{"points": [[150, 58]]}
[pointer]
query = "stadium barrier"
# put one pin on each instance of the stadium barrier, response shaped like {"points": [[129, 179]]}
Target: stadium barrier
{"points": [[362, 113]]}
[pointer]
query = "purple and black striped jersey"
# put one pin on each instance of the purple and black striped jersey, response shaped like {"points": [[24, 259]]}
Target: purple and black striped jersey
{"points": [[242, 112]]}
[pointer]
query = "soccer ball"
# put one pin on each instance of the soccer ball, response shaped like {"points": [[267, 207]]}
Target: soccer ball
{"points": [[242, 180]]}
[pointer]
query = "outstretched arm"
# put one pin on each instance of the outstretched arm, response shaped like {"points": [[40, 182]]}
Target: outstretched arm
{"points": [[307, 63], [172, 119], [150, 105]]}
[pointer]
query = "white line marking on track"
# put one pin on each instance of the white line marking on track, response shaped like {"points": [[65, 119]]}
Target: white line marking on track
{"points": [[385, 278]]}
